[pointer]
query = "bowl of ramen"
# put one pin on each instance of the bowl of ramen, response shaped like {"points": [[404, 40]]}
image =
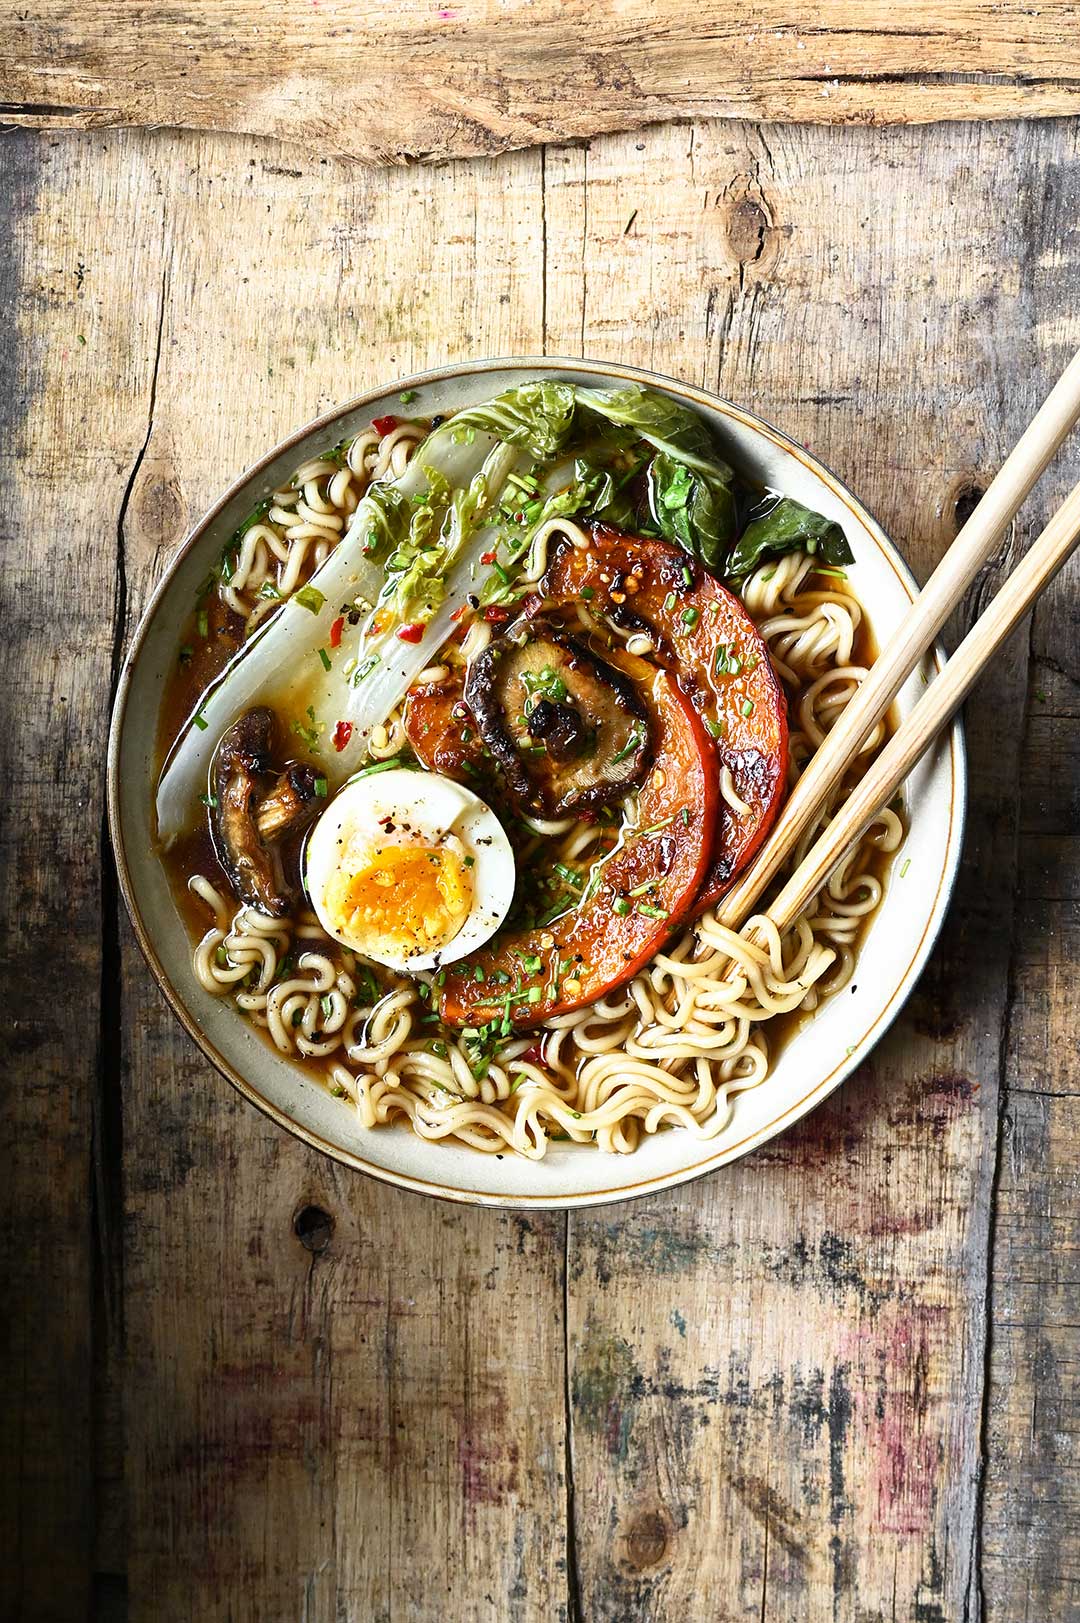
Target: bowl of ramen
{"points": [[444, 737]]}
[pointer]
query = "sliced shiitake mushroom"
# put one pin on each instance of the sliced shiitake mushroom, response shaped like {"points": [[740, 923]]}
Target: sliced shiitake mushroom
{"points": [[567, 728], [246, 828]]}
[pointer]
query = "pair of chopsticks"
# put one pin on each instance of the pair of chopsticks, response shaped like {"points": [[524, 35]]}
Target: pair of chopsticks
{"points": [[973, 546]]}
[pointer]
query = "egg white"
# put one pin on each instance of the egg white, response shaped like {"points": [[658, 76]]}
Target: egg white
{"points": [[405, 807]]}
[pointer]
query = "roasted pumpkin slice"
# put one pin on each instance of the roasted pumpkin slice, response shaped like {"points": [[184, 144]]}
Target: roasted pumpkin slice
{"points": [[442, 729], [704, 634], [630, 901]]}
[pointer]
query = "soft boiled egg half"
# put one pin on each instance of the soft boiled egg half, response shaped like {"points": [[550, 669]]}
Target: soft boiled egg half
{"points": [[409, 868]]}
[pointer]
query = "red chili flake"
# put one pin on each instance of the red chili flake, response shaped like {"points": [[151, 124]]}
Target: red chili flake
{"points": [[458, 612], [488, 557], [384, 425], [412, 632], [531, 602], [342, 734], [335, 631], [535, 1054], [495, 615]]}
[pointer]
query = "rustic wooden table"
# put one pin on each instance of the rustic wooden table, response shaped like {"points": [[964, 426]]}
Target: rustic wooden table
{"points": [[838, 1380]]}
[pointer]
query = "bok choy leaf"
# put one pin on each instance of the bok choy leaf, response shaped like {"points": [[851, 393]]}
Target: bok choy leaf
{"points": [[694, 508], [281, 665], [785, 525]]}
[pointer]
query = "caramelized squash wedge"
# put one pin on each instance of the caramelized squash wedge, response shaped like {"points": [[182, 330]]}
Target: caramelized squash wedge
{"points": [[630, 903], [703, 633]]}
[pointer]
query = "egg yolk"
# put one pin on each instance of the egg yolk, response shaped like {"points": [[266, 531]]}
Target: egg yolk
{"points": [[414, 896]]}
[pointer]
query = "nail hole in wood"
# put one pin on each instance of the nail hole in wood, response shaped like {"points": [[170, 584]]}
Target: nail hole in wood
{"points": [[967, 500], [313, 1228]]}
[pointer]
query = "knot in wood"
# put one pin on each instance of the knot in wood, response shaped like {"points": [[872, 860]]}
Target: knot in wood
{"points": [[313, 1228], [646, 1540]]}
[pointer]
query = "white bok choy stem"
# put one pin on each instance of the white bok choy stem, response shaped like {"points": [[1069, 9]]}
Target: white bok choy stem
{"points": [[282, 665]]}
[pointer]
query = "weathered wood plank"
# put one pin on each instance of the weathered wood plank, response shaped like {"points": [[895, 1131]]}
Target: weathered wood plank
{"points": [[420, 80], [346, 1402], [1032, 1502], [777, 1374], [314, 1400], [82, 269]]}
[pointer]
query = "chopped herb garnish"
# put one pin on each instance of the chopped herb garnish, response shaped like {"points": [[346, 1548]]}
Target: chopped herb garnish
{"points": [[325, 657], [633, 743], [651, 912], [209, 800], [534, 994], [201, 723], [407, 396], [621, 906], [321, 787], [904, 868], [310, 598], [747, 707], [715, 729], [202, 624], [690, 618], [326, 1004], [588, 593], [478, 974]]}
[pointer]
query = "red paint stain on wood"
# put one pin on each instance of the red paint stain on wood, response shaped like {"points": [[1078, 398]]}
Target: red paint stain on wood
{"points": [[899, 1414]]}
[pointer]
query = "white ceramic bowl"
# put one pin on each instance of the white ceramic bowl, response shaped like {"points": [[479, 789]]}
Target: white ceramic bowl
{"points": [[824, 1052]]}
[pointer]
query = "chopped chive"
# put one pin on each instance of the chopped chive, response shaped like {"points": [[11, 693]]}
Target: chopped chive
{"points": [[478, 974], [321, 787], [640, 890], [407, 396], [201, 723], [715, 729], [534, 994], [325, 657], [470, 862], [202, 623], [209, 800], [747, 707], [904, 868], [310, 598], [690, 618], [588, 593], [634, 742], [669, 602], [687, 575], [651, 912], [382, 766], [568, 874], [621, 906], [326, 1005]]}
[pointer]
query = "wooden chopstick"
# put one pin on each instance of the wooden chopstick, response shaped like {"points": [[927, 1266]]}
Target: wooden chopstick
{"points": [[974, 544], [935, 708]]}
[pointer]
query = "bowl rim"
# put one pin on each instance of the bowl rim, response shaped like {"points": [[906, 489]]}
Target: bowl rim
{"points": [[529, 1200]]}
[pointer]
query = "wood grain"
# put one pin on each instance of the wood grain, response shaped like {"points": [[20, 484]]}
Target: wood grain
{"points": [[349, 78], [835, 1381]]}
